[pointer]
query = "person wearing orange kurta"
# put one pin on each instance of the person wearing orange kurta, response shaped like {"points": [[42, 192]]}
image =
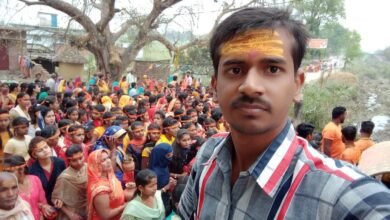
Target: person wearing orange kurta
{"points": [[365, 140], [332, 144], [351, 154]]}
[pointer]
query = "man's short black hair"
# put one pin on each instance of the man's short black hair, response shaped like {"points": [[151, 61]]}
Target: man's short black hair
{"points": [[367, 127], [338, 111], [305, 129], [259, 18], [20, 121], [349, 132], [73, 149]]}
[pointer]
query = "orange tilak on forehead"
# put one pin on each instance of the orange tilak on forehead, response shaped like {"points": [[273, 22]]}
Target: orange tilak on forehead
{"points": [[254, 42], [40, 146]]}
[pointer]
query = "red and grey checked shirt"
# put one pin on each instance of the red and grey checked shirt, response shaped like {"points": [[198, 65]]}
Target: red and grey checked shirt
{"points": [[290, 180]]}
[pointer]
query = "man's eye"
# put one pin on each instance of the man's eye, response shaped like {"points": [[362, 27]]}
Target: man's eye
{"points": [[273, 69], [235, 70]]}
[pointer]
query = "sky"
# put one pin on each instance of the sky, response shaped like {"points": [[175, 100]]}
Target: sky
{"points": [[370, 18]]}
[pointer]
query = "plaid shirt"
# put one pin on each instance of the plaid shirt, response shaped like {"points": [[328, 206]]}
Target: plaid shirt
{"points": [[290, 180]]}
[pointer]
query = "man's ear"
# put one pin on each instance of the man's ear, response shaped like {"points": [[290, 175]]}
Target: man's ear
{"points": [[214, 86], [214, 83], [299, 81]]}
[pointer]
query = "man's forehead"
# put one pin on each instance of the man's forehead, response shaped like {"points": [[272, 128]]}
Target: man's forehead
{"points": [[266, 41], [7, 181]]}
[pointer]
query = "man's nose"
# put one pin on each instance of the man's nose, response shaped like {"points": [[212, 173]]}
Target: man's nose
{"points": [[253, 83]]}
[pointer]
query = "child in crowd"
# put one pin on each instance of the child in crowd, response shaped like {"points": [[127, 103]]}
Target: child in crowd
{"points": [[69, 194], [154, 132], [137, 143], [365, 141], [351, 154], [76, 134], [46, 167], [89, 129], [73, 115], [18, 144], [52, 134], [181, 152], [63, 125], [148, 203], [128, 167]]}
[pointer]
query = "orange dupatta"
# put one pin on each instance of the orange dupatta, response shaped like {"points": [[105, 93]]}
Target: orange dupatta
{"points": [[97, 184]]}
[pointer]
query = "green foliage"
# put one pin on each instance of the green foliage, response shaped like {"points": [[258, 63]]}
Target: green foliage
{"points": [[352, 46], [375, 66], [341, 41], [317, 13], [196, 59], [319, 102]]}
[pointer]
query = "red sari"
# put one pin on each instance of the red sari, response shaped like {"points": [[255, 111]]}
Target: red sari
{"points": [[98, 185]]}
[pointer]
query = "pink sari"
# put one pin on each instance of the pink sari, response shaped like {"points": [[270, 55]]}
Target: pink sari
{"points": [[35, 196]]}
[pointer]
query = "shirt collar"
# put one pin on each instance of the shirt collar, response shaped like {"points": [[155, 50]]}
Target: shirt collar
{"points": [[270, 167]]}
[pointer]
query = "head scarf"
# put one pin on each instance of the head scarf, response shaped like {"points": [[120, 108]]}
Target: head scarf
{"points": [[106, 101], [78, 82], [61, 86], [97, 184], [158, 162], [124, 100], [114, 130]]}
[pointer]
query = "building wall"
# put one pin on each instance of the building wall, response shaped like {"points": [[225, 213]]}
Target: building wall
{"points": [[15, 42], [71, 71]]}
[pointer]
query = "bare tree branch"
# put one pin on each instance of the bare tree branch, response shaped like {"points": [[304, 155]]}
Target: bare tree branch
{"points": [[125, 27], [107, 14], [31, 3], [95, 5], [73, 12], [228, 8], [172, 47], [158, 7]]}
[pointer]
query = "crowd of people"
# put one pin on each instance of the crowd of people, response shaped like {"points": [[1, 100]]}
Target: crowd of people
{"points": [[131, 149], [85, 149]]}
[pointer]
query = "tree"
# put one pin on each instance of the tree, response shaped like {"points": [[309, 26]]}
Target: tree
{"points": [[317, 13], [100, 40], [352, 48]]}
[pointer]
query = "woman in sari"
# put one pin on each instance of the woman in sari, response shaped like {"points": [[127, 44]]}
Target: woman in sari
{"points": [[105, 195], [30, 187], [117, 134]]}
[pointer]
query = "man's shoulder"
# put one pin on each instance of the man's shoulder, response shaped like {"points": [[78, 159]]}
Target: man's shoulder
{"points": [[318, 162], [338, 178], [210, 145]]}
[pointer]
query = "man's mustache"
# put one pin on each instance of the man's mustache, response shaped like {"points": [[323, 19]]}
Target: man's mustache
{"points": [[258, 100]]}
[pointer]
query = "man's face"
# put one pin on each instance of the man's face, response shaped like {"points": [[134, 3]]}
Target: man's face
{"points": [[343, 117], [22, 129], [255, 83], [95, 115], [76, 161], [8, 193], [172, 130]]}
